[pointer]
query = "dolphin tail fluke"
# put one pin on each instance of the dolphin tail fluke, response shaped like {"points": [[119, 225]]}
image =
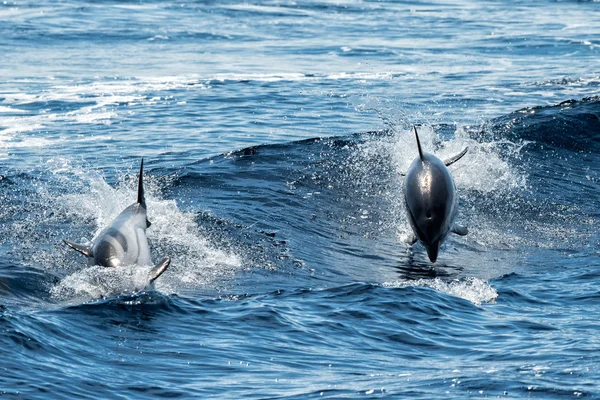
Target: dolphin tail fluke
{"points": [[457, 157], [83, 249], [141, 199], [159, 269], [460, 230], [418, 143]]}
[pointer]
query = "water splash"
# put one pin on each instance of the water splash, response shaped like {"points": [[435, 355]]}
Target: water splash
{"points": [[195, 261], [472, 289], [98, 282], [485, 168], [490, 172]]}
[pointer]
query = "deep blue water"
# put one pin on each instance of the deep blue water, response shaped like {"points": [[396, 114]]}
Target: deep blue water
{"points": [[275, 135]]}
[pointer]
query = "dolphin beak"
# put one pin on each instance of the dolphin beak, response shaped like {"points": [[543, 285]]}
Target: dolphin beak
{"points": [[432, 251]]}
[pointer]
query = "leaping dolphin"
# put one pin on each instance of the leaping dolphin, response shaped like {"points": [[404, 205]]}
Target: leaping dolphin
{"points": [[430, 199], [123, 241]]}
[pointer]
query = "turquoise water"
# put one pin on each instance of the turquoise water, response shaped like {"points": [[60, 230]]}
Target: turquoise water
{"points": [[275, 136]]}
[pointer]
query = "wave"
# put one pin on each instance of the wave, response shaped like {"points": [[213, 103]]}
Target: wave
{"points": [[505, 190], [472, 289], [320, 210], [571, 125]]}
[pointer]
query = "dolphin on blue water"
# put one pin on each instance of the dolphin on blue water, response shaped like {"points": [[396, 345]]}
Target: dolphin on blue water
{"points": [[124, 242], [430, 199]]}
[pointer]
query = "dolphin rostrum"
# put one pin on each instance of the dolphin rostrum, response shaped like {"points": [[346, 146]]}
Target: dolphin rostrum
{"points": [[124, 242], [430, 199]]}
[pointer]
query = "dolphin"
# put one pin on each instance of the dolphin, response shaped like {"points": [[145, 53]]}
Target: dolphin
{"points": [[123, 241], [430, 200]]}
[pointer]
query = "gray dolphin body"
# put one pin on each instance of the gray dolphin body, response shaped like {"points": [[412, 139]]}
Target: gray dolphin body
{"points": [[123, 241], [430, 199]]}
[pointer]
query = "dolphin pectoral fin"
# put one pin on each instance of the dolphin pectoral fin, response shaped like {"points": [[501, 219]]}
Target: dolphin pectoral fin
{"points": [[83, 249], [412, 239], [457, 157], [148, 223], [460, 230], [159, 269]]}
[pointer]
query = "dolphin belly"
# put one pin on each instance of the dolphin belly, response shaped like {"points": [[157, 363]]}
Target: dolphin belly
{"points": [[143, 254], [430, 201], [117, 246]]}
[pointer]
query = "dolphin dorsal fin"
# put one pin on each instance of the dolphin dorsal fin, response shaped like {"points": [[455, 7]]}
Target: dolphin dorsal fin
{"points": [[418, 143], [141, 199], [457, 157]]}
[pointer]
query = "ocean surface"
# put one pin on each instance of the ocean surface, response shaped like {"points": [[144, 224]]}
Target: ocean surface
{"points": [[275, 135]]}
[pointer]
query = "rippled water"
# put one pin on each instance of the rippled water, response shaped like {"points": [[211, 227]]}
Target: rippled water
{"points": [[275, 136]]}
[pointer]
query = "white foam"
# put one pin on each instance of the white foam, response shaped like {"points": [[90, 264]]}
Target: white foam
{"points": [[361, 76], [276, 77], [10, 140], [22, 124], [4, 109], [136, 6], [472, 289], [106, 96], [99, 282], [292, 77]]}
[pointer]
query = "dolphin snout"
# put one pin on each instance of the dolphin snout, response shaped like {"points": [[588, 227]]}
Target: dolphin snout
{"points": [[432, 251]]}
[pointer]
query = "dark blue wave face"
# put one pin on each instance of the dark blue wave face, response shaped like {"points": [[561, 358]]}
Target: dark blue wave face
{"points": [[275, 138]]}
